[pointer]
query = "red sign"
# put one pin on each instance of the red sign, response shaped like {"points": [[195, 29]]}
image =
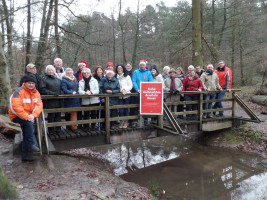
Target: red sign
{"points": [[151, 98]]}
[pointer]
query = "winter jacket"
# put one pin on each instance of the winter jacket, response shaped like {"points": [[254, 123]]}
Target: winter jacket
{"points": [[94, 89], [39, 81], [141, 76], [164, 76], [225, 77], [113, 85], [159, 79], [200, 73], [192, 85], [68, 87], [24, 102], [181, 77], [52, 87], [178, 86], [125, 84], [59, 73], [210, 81]]}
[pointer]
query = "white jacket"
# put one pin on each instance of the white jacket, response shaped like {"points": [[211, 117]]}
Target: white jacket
{"points": [[125, 84], [159, 79], [94, 89]]}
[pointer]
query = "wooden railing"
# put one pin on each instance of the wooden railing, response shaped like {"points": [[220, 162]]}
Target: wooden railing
{"points": [[106, 107]]}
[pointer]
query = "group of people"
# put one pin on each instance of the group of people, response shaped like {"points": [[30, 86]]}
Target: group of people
{"points": [[26, 104]]}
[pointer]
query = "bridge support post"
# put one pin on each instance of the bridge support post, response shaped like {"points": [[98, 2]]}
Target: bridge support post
{"points": [[233, 105], [107, 122], [200, 113]]}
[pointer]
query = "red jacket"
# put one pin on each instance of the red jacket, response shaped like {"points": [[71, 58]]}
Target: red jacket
{"points": [[225, 77], [192, 85], [24, 102]]}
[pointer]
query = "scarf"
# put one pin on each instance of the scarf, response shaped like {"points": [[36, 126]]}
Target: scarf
{"points": [[86, 83], [221, 69], [172, 88], [71, 79], [209, 72]]}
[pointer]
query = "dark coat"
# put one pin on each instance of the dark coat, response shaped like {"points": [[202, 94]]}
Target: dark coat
{"points": [[52, 87], [39, 81], [114, 85], [68, 87]]}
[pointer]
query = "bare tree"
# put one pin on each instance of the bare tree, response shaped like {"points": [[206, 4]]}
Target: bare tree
{"points": [[42, 44], [28, 43], [136, 35], [56, 30], [4, 81]]}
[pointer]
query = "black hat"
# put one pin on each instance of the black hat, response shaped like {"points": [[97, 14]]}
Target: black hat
{"points": [[29, 78]]}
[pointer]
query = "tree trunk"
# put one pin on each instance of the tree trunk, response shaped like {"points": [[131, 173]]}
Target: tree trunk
{"points": [[56, 30], [9, 33], [197, 57], [224, 23], [136, 37], [122, 35], [28, 43], [233, 40], [242, 76], [114, 38], [213, 22], [4, 81], [42, 44]]}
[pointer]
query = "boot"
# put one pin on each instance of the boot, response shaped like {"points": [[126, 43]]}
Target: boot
{"points": [[121, 124], [125, 125]]}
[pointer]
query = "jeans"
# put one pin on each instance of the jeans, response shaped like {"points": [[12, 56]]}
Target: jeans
{"points": [[134, 111], [191, 107], [113, 113], [27, 132], [54, 117], [124, 111], [219, 104], [208, 105], [90, 114]]}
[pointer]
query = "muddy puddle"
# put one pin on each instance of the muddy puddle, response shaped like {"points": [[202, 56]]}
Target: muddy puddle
{"points": [[177, 168]]}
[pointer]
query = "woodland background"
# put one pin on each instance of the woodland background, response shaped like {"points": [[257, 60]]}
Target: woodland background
{"points": [[232, 30]]}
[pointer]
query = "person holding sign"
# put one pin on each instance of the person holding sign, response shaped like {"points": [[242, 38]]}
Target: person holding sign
{"points": [[141, 75]]}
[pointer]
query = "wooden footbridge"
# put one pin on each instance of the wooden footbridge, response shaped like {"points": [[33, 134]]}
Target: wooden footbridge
{"points": [[166, 124]]}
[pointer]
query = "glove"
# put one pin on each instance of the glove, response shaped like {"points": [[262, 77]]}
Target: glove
{"points": [[171, 92], [177, 92]]}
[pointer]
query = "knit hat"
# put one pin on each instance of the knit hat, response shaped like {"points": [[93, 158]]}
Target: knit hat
{"points": [[209, 65], [166, 67], [83, 62], [29, 78], [107, 71], [143, 61], [154, 67], [110, 64], [172, 70], [30, 66]]}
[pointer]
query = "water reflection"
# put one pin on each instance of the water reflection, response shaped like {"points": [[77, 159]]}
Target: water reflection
{"points": [[186, 170]]}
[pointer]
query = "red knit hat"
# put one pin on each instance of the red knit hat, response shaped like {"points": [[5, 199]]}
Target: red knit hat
{"points": [[143, 61], [109, 64], [83, 62]]}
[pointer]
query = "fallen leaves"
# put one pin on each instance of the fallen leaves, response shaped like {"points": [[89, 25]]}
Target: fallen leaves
{"points": [[19, 187]]}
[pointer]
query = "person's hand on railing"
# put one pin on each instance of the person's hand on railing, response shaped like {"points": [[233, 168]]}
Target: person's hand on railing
{"points": [[74, 92], [88, 92], [138, 91], [103, 100], [109, 91], [176, 92], [229, 90], [182, 95], [123, 91], [199, 90], [172, 92]]}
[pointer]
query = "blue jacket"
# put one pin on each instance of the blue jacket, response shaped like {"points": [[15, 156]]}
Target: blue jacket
{"points": [[141, 76], [68, 87], [114, 85]]}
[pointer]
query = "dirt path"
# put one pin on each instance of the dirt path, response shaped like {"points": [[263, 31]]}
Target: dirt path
{"points": [[63, 177]]}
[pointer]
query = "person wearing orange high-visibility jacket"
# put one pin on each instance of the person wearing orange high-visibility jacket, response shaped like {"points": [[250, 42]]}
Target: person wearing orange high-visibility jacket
{"points": [[25, 106], [225, 80]]}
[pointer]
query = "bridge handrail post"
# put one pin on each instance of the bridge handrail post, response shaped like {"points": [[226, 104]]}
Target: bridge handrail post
{"points": [[233, 105], [200, 113], [107, 121]]}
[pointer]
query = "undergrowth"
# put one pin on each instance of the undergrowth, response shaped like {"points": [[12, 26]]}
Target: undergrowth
{"points": [[7, 190]]}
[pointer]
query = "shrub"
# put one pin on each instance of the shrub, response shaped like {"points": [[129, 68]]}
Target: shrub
{"points": [[7, 190]]}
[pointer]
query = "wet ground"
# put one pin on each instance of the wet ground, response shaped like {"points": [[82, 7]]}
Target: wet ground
{"points": [[187, 170]]}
